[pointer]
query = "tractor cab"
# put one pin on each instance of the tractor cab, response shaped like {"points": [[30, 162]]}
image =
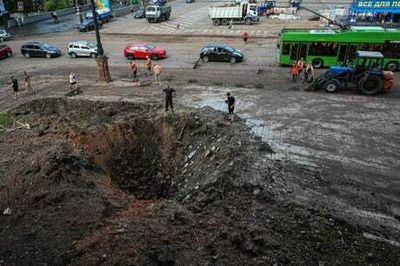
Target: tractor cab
{"points": [[366, 60]]}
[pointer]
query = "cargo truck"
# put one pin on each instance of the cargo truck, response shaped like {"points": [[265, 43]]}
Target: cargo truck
{"points": [[242, 12], [156, 13]]}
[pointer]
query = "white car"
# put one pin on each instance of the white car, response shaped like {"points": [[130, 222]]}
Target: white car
{"points": [[82, 48], [4, 36]]}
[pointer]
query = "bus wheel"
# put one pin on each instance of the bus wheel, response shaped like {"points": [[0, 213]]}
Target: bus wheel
{"points": [[332, 85], [216, 22], [317, 63], [370, 85], [392, 66]]}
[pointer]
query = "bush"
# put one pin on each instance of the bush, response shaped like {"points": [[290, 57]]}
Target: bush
{"points": [[51, 5]]}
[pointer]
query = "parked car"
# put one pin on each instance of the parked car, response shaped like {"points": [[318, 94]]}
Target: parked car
{"points": [[139, 14], [5, 50], [40, 49], [88, 25], [221, 52], [82, 48], [4, 36], [142, 50], [189, 1]]}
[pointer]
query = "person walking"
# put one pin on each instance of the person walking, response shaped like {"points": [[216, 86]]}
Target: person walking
{"points": [[148, 65], [294, 72], [72, 81], [309, 73], [169, 94], [27, 81], [245, 36], [230, 101], [157, 73], [133, 71], [55, 17], [14, 86]]}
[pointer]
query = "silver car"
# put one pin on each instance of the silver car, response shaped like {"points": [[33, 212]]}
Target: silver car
{"points": [[82, 48], [4, 36]]}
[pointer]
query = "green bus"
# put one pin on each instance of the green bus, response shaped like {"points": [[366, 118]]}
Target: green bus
{"points": [[336, 47]]}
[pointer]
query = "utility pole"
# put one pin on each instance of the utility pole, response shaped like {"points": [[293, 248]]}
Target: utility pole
{"points": [[101, 60]]}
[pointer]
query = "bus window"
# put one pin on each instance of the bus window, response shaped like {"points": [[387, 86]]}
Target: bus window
{"points": [[286, 48], [294, 51], [321, 49], [392, 50], [342, 53]]}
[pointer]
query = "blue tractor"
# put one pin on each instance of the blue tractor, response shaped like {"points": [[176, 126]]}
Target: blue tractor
{"points": [[364, 75]]}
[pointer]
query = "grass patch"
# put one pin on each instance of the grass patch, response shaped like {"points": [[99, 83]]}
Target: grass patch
{"points": [[6, 120]]}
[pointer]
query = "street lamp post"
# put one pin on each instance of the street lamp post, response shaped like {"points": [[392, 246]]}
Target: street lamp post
{"points": [[101, 60]]}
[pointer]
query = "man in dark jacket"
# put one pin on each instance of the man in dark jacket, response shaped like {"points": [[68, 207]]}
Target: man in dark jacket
{"points": [[230, 100], [169, 94]]}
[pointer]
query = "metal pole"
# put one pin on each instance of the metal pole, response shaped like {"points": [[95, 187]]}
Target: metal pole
{"points": [[100, 50]]}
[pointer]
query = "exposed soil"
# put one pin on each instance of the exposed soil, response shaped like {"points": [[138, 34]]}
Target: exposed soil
{"points": [[121, 183]]}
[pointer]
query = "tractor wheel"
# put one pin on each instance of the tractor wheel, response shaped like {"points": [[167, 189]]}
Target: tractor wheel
{"points": [[317, 63], [392, 66], [332, 85], [370, 85]]}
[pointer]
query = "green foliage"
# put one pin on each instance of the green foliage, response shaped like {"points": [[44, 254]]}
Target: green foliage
{"points": [[51, 5], [5, 120]]}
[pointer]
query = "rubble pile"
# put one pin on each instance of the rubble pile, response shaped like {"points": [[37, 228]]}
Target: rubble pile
{"points": [[120, 183]]}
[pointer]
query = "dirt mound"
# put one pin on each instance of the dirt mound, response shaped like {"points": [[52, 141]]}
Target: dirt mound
{"points": [[118, 183]]}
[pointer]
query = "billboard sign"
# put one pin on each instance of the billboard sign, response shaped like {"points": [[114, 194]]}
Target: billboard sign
{"points": [[103, 4], [389, 6]]}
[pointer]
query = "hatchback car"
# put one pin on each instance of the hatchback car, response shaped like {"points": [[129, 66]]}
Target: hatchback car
{"points": [[40, 49], [139, 14], [4, 36], [143, 50], [5, 50], [221, 52], [82, 48], [88, 25]]}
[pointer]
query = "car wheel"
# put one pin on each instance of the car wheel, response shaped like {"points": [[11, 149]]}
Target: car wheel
{"points": [[1, 39], [317, 63], [27, 55], [154, 57], [48, 56], [392, 66], [93, 55], [205, 59], [232, 60], [9, 54], [73, 55], [130, 56]]}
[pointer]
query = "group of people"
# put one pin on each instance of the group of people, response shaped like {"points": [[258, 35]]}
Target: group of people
{"points": [[300, 66], [27, 83], [151, 69]]}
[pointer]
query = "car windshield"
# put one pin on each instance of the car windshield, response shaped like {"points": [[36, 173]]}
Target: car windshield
{"points": [[150, 9], [229, 49], [91, 45], [150, 47], [46, 45]]}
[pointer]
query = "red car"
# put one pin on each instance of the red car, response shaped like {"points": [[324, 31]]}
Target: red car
{"points": [[143, 50], [5, 51]]}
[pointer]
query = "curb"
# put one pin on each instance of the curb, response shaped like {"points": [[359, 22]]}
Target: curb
{"points": [[193, 35]]}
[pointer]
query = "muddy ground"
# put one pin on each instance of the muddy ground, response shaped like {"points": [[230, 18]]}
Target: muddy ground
{"points": [[95, 182]]}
